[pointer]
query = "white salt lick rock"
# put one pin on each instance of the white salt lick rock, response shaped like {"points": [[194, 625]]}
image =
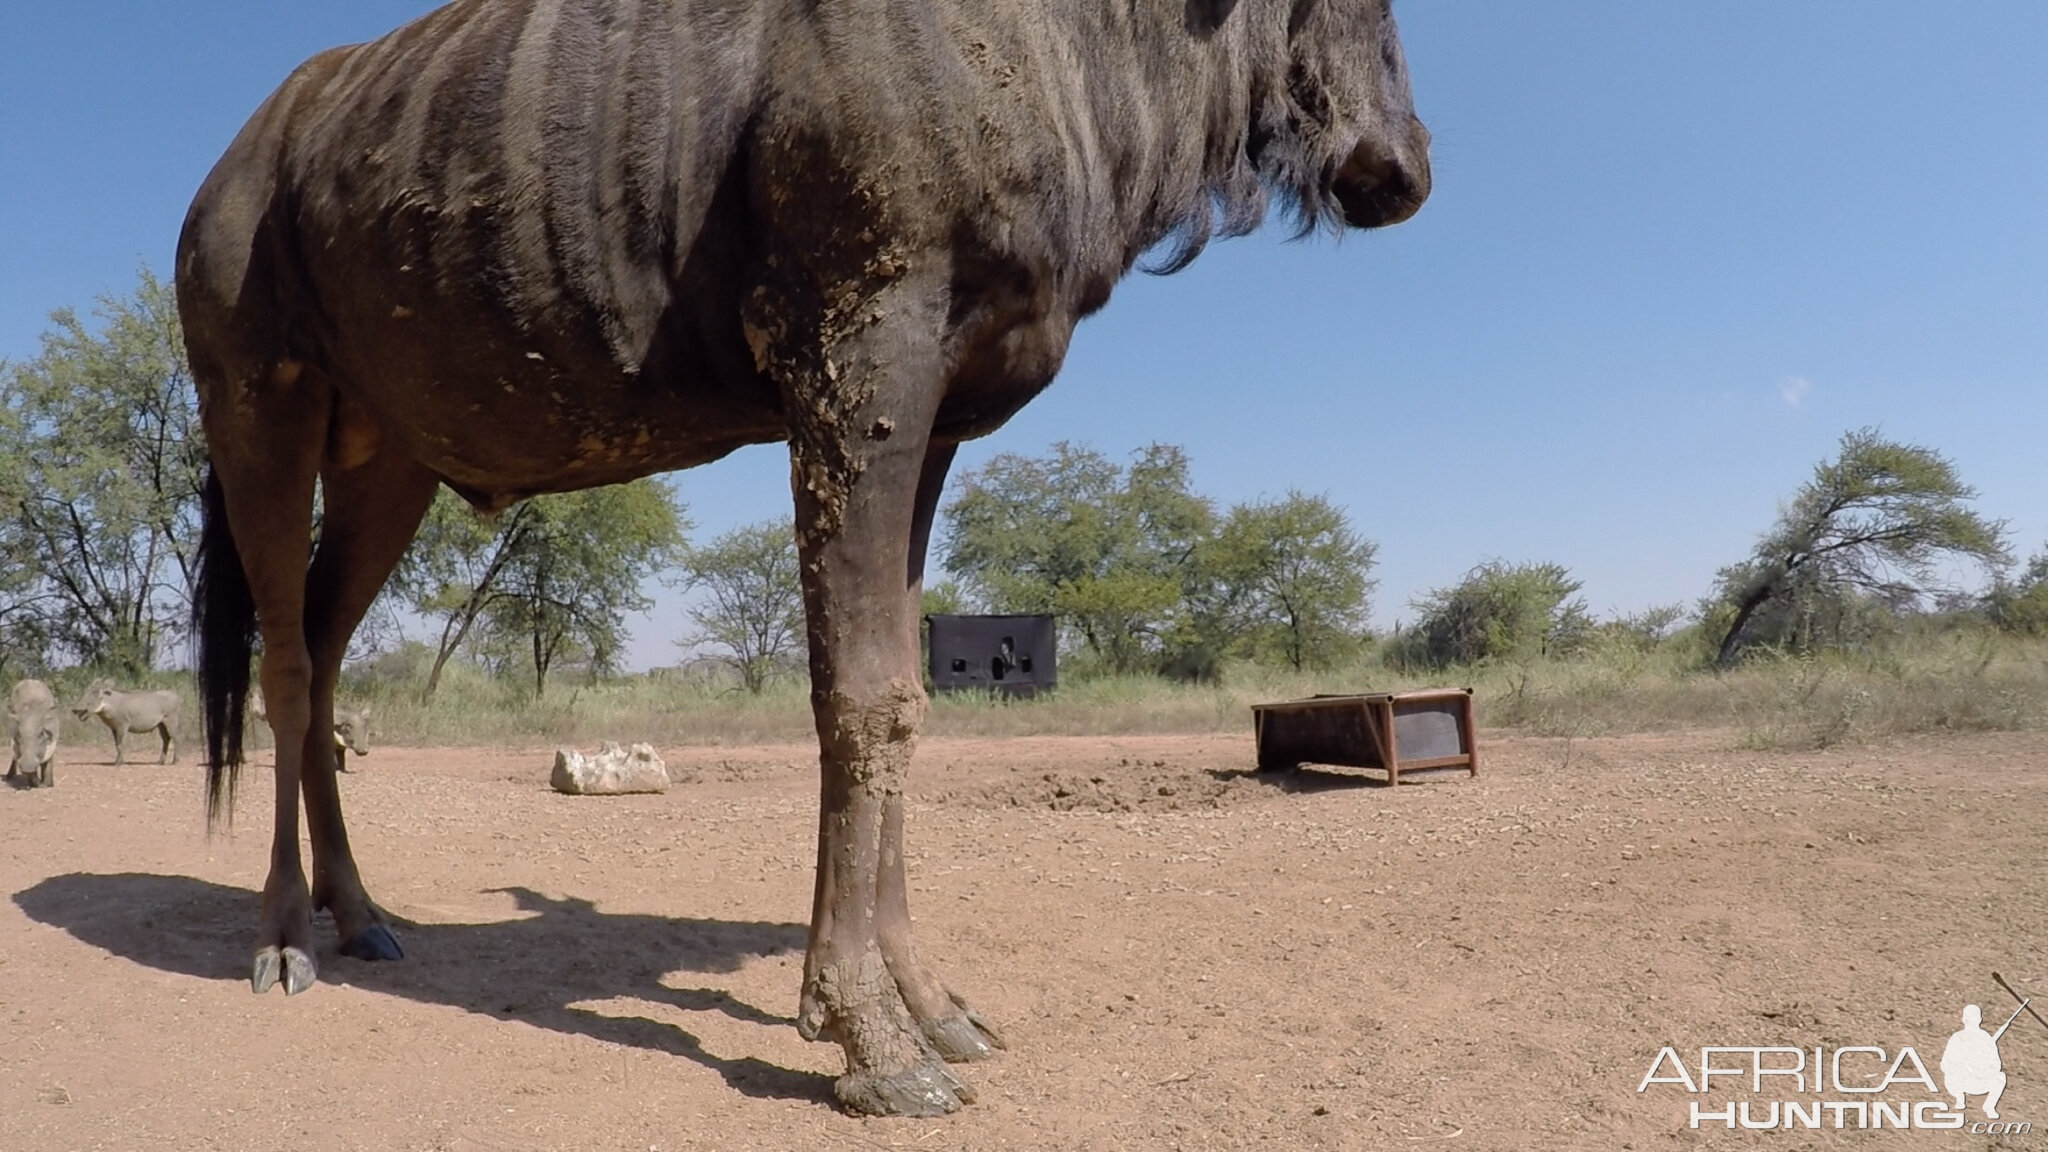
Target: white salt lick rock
{"points": [[611, 772]]}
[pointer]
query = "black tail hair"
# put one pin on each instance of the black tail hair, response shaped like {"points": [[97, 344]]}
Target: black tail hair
{"points": [[224, 621]]}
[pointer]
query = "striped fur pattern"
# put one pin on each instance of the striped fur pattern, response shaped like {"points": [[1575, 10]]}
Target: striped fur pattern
{"points": [[560, 205]]}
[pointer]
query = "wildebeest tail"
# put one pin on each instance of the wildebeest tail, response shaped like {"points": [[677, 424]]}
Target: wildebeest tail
{"points": [[224, 620]]}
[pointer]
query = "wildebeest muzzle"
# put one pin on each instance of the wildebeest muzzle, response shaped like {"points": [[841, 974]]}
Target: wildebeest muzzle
{"points": [[1385, 180]]}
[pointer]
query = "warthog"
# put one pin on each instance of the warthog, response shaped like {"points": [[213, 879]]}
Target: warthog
{"points": [[351, 734], [125, 712], [528, 246], [32, 728], [351, 728]]}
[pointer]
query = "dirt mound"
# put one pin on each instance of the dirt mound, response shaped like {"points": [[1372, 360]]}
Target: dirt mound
{"points": [[1128, 787]]}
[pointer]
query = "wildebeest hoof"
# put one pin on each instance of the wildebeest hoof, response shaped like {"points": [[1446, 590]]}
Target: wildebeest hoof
{"points": [[962, 1039], [373, 943], [294, 966], [926, 1088]]}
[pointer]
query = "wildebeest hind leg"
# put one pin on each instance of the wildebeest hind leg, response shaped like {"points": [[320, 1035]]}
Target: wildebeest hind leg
{"points": [[266, 452], [370, 512], [956, 1031]]}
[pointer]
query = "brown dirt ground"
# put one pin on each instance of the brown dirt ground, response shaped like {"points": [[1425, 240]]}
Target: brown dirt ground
{"points": [[1180, 954]]}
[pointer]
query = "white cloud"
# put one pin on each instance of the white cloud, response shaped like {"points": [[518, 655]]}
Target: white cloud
{"points": [[1794, 390]]}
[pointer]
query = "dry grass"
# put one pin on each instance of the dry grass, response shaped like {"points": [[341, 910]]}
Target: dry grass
{"points": [[1959, 680]]}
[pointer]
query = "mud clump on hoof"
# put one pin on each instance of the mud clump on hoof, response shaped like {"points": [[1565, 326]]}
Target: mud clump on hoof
{"points": [[613, 771], [926, 1088]]}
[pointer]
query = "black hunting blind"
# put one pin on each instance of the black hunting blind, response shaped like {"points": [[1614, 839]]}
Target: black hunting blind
{"points": [[1013, 655]]}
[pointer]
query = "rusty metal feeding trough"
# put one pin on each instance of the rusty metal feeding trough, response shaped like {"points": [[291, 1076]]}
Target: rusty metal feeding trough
{"points": [[1396, 732]]}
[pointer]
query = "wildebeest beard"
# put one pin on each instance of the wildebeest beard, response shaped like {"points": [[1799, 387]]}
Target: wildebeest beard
{"points": [[1311, 110]]}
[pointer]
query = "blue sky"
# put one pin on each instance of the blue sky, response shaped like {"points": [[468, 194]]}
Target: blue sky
{"points": [[1674, 252]]}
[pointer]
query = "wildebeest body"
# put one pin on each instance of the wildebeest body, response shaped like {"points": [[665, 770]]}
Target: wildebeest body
{"points": [[32, 730], [523, 246], [613, 177], [131, 711]]}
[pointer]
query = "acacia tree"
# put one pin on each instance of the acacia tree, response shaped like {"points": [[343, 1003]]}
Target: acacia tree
{"points": [[24, 599], [1498, 611], [943, 598], [450, 573], [2021, 604], [551, 575], [104, 467], [752, 609], [1290, 578], [579, 572], [1878, 520], [1104, 547]]}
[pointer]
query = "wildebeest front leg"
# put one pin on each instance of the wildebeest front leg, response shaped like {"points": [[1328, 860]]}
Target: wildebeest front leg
{"points": [[954, 1029], [860, 386]]}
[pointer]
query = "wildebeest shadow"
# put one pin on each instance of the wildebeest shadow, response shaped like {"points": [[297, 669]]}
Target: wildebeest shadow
{"points": [[532, 970]]}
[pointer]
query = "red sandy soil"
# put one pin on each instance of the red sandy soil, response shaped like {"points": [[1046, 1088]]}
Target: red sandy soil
{"points": [[1180, 953]]}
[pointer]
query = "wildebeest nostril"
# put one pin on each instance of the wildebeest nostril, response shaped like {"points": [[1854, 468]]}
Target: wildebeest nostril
{"points": [[1378, 186]]}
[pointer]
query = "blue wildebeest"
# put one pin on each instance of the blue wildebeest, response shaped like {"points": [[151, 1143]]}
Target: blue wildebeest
{"points": [[131, 711], [32, 721], [526, 246]]}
